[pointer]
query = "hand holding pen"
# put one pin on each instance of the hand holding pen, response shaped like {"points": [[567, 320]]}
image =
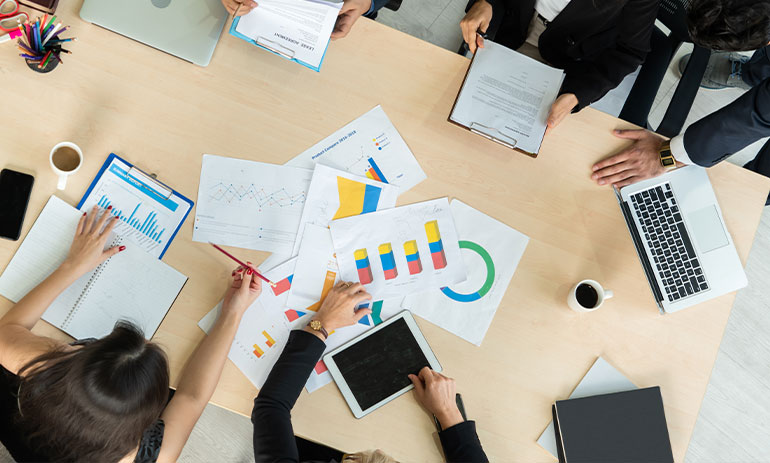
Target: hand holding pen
{"points": [[475, 24]]}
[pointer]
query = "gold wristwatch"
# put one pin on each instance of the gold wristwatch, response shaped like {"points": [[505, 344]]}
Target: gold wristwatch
{"points": [[316, 325], [666, 157]]}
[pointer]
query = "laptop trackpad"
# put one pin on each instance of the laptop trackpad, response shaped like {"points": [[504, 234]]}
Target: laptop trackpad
{"points": [[707, 228]]}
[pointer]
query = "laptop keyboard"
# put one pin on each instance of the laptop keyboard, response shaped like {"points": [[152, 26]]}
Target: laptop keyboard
{"points": [[668, 242]]}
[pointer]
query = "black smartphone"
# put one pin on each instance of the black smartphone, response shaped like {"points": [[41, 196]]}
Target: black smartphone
{"points": [[15, 189]]}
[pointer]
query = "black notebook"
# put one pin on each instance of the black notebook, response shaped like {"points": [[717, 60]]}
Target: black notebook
{"points": [[628, 427]]}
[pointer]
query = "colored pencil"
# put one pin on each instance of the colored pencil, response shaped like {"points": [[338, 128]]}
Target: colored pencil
{"points": [[45, 59], [62, 40], [50, 33], [242, 264]]}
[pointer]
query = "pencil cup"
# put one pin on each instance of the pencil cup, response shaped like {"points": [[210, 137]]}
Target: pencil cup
{"points": [[44, 70], [66, 159]]}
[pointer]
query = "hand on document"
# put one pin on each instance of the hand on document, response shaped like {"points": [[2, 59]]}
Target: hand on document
{"points": [[477, 19], [560, 109], [87, 249], [349, 13], [240, 6]]}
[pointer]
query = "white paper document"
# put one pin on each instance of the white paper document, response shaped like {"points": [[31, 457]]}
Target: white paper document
{"points": [[295, 29], [506, 96], [250, 204], [602, 378], [263, 331], [491, 251], [336, 194], [369, 146], [316, 272], [400, 251]]}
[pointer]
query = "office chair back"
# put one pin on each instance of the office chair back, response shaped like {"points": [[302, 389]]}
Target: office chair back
{"points": [[673, 15]]}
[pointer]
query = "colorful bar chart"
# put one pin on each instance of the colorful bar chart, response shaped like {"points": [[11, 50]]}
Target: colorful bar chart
{"points": [[388, 261], [269, 340], [147, 227], [356, 198], [283, 285], [257, 351], [412, 257], [293, 315], [374, 171], [436, 247], [363, 266]]}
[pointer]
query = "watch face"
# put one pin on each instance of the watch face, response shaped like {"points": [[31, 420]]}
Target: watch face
{"points": [[667, 162], [315, 324]]}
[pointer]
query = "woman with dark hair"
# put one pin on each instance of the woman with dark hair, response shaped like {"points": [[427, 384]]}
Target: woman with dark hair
{"points": [[107, 399], [596, 42]]}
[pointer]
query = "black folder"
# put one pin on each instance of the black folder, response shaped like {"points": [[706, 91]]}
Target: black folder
{"points": [[628, 427]]}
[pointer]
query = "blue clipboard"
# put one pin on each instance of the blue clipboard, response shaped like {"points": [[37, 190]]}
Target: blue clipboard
{"points": [[149, 189], [273, 50]]}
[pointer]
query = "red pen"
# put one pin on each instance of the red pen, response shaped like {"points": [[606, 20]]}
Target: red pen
{"points": [[242, 264]]}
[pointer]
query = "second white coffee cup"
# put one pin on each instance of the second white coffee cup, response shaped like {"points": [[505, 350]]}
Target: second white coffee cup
{"points": [[587, 296]]}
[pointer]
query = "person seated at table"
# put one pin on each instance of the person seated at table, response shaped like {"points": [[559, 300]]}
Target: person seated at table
{"points": [[349, 13], [107, 399], [724, 25], [596, 42], [273, 433]]}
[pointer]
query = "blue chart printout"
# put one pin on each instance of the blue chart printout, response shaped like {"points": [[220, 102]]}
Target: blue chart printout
{"points": [[150, 213]]}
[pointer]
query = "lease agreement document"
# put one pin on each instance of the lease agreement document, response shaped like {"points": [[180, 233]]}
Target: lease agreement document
{"points": [[295, 29], [506, 97]]}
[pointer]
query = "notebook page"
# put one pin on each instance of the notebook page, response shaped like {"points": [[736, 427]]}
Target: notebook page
{"points": [[132, 285], [44, 248]]}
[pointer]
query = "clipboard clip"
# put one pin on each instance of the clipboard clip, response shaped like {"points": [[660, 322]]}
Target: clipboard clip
{"points": [[276, 47], [151, 181], [486, 132]]}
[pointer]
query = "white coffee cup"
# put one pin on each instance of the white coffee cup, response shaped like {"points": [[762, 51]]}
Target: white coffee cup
{"points": [[601, 295], [65, 164]]}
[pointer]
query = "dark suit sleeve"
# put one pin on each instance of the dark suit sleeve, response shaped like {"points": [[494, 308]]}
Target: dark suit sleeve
{"points": [[592, 78], [461, 444], [377, 4], [273, 433], [732, 128]]}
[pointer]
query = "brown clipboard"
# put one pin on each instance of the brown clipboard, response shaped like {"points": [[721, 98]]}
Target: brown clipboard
{"points": [[479, 132]]}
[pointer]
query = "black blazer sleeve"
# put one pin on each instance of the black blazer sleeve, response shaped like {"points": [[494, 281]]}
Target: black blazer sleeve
{"points": [[273, 433], [591, 78], [732, 128], [377, 4], [461, 444]]}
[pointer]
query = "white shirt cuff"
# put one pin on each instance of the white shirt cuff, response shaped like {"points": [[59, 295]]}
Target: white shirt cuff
{"points": [[677, 149]]}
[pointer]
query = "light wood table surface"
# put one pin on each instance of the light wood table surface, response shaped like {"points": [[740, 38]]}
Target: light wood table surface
{"points": [[115, 95]]}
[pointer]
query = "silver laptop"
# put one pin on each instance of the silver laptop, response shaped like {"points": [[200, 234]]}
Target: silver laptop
{"points": [[188, 29], [677, 226]]}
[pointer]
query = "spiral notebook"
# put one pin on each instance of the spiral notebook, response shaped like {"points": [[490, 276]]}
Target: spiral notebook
{"points": [[132, 285]]}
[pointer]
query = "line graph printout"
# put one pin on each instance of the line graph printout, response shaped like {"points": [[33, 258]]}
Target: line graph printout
{"points": [[250, 204], [399, 251], [263, 331], [335, 194], [371, 147]]}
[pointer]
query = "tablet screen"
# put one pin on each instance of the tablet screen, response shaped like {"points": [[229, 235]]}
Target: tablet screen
{"points": [[377, 366]]}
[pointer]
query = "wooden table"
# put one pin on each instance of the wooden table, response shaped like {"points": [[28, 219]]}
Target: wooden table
{"points": [[115, 95]]}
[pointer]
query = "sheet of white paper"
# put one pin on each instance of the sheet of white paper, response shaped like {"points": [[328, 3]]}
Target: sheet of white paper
{"points": [[335, 194], [491, 252], [369, 146], [602, 378], [400, 251], [149, 213], [299, 29], [507, 96], [381, 311], [263, 331], [250, 204], [316, 271]]}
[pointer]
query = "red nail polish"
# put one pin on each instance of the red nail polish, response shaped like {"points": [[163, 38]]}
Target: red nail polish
{"points": [[84, 214], [109, 207], [240, 270], [122, 248], [248, 271]]}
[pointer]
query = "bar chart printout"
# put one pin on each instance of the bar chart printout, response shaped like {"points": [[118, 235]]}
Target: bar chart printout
{"points": [[149, 212], [412, 257], [388, 261]]}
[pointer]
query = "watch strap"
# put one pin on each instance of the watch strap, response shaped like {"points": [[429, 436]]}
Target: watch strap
{"points": [[666, 156]]}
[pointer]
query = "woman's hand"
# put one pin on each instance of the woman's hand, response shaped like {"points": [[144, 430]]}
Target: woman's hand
{"points": [[338, 309], [476, 19], [349, 13], [241, 6], [244, 290], [87, 249], [436, 393], [560, 109]]}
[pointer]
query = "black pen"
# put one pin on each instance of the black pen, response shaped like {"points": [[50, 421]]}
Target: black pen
{"points": [[483, 35]]}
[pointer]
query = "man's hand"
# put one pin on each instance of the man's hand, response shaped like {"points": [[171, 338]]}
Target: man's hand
{"points": [[560, 109], [477, 19], [349, 13], [638, 162], [241, 6], [436, 393]]}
